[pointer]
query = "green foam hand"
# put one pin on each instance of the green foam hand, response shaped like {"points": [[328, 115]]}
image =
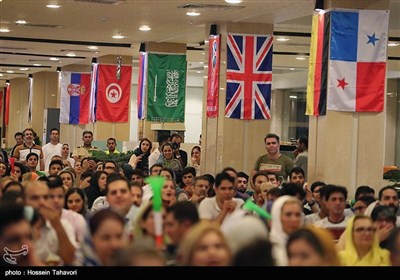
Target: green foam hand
{"points": [[156, 184], [251, 206]]}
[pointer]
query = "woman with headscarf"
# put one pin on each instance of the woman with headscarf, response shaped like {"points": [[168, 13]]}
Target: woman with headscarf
{"points": [[362, 244], [287, 217]]}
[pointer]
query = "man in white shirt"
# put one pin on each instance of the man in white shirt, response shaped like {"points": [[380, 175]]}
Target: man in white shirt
{"points": [[223, 204], [53, 148]]}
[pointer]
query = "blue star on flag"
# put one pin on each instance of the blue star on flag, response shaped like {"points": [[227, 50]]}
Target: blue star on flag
{"points": [[372, 39]]}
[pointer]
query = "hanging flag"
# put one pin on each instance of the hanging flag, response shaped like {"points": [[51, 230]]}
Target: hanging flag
{"points": [[7, 112], [93, 90], [142, 81], [30, 94], [113, 94], [2, 98], [213, 76], [248, 77], [357, 65], [75, 98], [166, 87], [318, 65]]}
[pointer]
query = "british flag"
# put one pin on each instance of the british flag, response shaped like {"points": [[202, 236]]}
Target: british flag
{"points": [[249, 76]]}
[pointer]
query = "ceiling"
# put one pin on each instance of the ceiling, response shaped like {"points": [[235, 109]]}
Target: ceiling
{"points": [[78, 24]]}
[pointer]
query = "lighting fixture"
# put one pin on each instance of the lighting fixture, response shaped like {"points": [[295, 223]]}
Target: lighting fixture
{"points": [[144, 28], [300, 58], [282, 39], [53, 6], [393, 44], [54, 58], [4, 30], [193, 13], [70, 54], [93, 48], [21, 21], [118, 36], [233, 1], [23, 69]]}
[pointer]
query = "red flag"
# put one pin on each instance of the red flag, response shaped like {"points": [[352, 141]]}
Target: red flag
{"points": [[7, 114], [213, 76], [113, 94], [1, 101]]}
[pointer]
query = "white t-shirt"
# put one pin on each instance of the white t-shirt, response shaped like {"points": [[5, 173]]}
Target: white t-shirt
{"points": [[209, 209], [49, 150]]}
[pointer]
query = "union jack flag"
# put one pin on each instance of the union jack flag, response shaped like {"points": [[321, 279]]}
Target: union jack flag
{"points": [[249, 76]]}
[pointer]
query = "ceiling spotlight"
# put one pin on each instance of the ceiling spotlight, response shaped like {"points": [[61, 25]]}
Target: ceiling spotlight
{"points": [[282, 39], [23, 69], [291, 68], [393, 44], [53, 6], [293, 96], [233, 1], [70, 54], [93, 48], [37, 64], [144, 28], [10, 71], [4, 30], [21, 21], [300, 58], [193, 13], [118, 36], [54, 58]]}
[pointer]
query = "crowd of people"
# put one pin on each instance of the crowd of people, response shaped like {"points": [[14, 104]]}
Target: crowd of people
{"points": [[61, 208]]}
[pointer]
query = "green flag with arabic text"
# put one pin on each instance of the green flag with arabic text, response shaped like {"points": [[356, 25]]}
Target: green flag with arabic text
{"points": [[166, 87]]}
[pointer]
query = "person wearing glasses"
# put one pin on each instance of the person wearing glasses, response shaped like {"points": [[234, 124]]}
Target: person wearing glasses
{"points": [[362, 244]]}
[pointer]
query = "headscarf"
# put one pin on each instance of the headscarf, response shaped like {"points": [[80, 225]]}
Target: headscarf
{"points": [[376, 255], [277, 236]]}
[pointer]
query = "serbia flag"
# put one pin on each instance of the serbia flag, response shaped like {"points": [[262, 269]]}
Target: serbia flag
{"points": [[75, 98]]}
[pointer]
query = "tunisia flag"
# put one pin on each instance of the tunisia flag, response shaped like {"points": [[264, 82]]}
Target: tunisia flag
{"points": [[113, 94]]}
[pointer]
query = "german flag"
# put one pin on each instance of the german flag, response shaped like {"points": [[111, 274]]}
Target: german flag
{"points": [[318, 65]]}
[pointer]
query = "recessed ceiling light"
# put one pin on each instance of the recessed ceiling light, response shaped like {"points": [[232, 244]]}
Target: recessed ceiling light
{"points": [[300, 58], [93, 48], [144, 28], [282, 39], [53, 6], [20, 21], [23, 69], [118, 36], [233, 1], [37, 64], [393, 44], [1, 75], [4, 30], [293, 97], [70, 54], [291, 68], [54, 58], [10, 71], [193, 13]]}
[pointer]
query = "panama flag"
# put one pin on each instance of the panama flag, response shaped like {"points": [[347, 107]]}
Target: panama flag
{"points": [[75, 98], [357, 64]]}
